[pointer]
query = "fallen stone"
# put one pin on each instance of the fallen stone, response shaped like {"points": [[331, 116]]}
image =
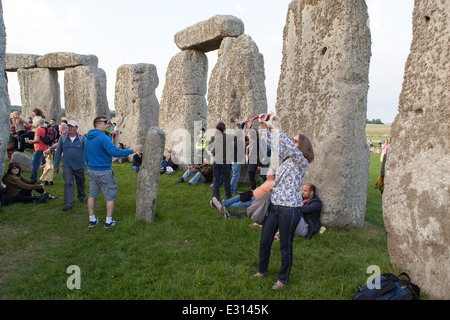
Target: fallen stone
{"points": [[207, 35], [23, 159]]}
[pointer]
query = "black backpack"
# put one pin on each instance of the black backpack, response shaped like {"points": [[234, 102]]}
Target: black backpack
{"points": [[50, 135], [391, 288]]}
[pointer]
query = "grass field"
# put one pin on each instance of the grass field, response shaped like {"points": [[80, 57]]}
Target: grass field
{"points": [[189, 252]]}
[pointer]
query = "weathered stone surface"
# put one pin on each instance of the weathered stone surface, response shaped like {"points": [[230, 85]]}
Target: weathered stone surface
{"points": [[183, 100], [236, 86], [39, 88], [136, 105], [63, 60], [23, 159], [208, 34], [15, 61], [5, 104], [416, 186], [322, 93], [149, 173], [85, 96]]}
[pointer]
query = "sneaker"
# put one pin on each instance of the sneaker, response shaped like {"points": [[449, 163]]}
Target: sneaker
{"points": [[217, 203], [93, 223], [211, 203], [67, 208], [224, 212], [112, 224]]}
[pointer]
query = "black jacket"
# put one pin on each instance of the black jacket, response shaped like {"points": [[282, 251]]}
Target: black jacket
{"points": [[311, 213]]}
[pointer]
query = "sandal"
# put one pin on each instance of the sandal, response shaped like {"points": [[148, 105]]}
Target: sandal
{"points": [[255, 225]]}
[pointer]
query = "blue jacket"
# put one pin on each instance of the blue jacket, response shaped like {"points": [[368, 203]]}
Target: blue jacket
{"points": [[99, 150], [73, 152], [311, 213]]}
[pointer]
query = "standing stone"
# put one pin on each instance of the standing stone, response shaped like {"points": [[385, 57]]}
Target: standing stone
{"points": [[136, 105], [63, 60], [85, 96], [5, 104], [15, 61], [149, 173], [416, 187], [208, 34], [39, 88], [236, 86], [322, 93], [183, 101]]}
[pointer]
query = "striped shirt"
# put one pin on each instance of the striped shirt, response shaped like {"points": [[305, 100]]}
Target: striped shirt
{"points": [[288, 192]]}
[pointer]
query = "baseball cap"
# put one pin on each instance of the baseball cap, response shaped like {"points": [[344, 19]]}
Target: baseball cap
{"points": [[72, 123]]}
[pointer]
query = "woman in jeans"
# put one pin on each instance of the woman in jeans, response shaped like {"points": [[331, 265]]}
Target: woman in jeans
{"points": [[286, 199]]}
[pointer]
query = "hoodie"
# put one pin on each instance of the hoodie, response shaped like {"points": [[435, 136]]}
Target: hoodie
{"points": [[99, 150]]}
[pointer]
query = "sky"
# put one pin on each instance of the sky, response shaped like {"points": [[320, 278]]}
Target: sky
{"points": [[142, 31]]}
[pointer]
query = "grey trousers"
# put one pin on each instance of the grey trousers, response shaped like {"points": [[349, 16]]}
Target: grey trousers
{"points": [[70, 178]]}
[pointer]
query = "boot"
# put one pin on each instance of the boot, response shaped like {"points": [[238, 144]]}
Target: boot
{"points": [[181, 180]]}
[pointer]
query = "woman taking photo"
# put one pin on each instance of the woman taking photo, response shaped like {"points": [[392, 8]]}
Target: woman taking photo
{"points": [[286, 199]]}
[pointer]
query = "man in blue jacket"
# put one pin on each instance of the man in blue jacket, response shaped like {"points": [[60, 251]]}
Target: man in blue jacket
{"points": [[98, 153], [309, 224], [71, 144]]}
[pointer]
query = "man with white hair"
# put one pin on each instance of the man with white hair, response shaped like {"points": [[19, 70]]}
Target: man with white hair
{"points": [[39, 148], [72, 145]]}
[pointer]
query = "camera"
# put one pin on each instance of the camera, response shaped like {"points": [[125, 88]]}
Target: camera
{"points": [[232, 120], [266, 117]]}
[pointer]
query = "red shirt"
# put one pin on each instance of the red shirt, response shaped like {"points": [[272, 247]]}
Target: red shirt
{"points": [[40, 145]]}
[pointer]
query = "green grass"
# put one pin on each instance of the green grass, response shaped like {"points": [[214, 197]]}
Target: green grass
{"points": [[189, 252]]}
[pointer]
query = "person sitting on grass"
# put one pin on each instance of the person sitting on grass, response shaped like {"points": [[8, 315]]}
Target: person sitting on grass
{"points": [[244, 199], [18, 188], [309, 223], [203, 173]]}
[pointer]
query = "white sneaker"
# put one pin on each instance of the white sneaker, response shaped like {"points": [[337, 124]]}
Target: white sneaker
{"points": [[217, 203]]}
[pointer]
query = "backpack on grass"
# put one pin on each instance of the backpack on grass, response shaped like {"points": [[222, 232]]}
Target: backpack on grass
{"points": [[391, 288]]}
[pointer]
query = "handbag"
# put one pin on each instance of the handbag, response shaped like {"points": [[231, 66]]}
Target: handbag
{"points": [[259, 209]]}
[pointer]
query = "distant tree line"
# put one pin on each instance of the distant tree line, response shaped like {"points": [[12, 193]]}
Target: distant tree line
{"points": [[374, 121], [112, 113]]}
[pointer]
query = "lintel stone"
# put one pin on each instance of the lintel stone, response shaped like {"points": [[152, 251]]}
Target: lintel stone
{"points": [[207, 35]]}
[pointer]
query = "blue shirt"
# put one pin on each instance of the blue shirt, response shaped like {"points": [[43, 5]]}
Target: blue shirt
{"points": [[72, 152], [288, 191], [99, 150]]}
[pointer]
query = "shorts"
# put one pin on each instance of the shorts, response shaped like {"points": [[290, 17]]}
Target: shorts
{"points": [[104, 181]]}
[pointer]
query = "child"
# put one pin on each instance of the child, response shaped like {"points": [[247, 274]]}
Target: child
{"points": [[47, 175], [163, 165]]}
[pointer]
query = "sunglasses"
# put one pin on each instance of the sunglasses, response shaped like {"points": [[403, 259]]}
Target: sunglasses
{"points": [[104, 121], [294, 140]]}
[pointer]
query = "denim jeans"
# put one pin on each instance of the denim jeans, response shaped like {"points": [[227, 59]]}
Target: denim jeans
{"points": [[218, 170], [236, 166], [236, 202], [285, 220], [35, 163], [196, 177]]}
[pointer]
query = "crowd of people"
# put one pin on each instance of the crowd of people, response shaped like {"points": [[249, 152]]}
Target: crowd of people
{"points": [[294, 208]]}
